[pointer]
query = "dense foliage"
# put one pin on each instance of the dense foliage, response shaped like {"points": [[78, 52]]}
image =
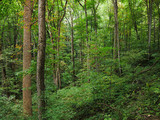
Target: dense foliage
{"points": [[88, 76]]}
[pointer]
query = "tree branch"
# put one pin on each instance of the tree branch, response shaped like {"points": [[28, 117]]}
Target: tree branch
{"points": [[80, 4], [98, 4], [64, 8]]}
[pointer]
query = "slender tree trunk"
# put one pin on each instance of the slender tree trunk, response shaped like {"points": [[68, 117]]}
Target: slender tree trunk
{"points": [[116, 35], [60, 18], [88, 64], [72, 48], [129, 39], [58, 77], [87, 42], [53, 40], [81, 46], [154, 30], [149, 27], [27, 99], [95, 17], [95, 26], [141, 37], [158, 27], [41, 59], [125, 37], [115, 29], [1, 42]]}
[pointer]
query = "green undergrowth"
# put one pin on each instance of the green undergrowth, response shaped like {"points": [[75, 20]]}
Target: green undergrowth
{"points": [[135, 95], [10, 109]]}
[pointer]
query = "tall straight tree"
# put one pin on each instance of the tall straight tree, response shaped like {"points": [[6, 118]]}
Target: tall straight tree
{"points": [[41, 58], [72, 46], [149, 12], [27, 100], [157, 2], [116, 51], [94, 9], [60, 19], [87, 42], [149, 26]]}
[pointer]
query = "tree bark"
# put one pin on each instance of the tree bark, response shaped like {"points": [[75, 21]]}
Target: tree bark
{"points": [[27, 99], [41, 59], [158, 25], [88, 55], [154, 30], [72, 48], [116, 35], [115, 29], [149, 8], [58, 74]]}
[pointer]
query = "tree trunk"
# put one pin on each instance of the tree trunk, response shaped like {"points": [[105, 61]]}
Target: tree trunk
{"points": [[81, 48], [60, 18], [41, 59], [27, 99], [154, 30], [58, 77], [88, 64], [53, 38], [95, 16], [158, 27], [149, 27], [116, 35], [87, 42], [95, 26], [115, 29], [72, 48]]}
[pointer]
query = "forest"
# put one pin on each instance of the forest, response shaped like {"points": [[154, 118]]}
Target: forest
{"points": [[79, 59]]}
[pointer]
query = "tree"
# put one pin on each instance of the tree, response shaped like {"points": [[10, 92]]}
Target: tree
{"points": [[59, 21], [41, 59], [72, 45], [94, 11], [27, 99], [149, 13], [157, 2], [116, 35], [87, 42]]}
